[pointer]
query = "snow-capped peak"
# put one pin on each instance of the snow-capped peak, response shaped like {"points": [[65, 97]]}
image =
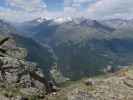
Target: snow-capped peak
{"points": [[40, 20], [62, 19]]}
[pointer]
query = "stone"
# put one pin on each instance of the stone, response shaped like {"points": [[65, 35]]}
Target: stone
{"points": [[17, 74], [89, 82]]}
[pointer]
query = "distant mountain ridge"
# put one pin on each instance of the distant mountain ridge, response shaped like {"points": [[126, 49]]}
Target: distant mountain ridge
{"points": [[118, 23], [50, 28]]}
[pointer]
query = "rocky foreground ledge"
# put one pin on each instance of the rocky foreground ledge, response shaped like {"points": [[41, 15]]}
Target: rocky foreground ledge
{"points": [[19, 79], [116, 86]]}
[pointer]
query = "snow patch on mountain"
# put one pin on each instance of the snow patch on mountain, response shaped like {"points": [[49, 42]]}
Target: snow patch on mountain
{"points": [[61, 20]]}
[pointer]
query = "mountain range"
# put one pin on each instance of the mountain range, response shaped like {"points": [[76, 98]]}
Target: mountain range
{"points": [[79, 47]]}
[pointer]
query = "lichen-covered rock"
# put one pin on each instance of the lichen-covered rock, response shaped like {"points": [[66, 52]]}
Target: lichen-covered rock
{"points": [[19, 75], [112, 87], [79, 94], [9, 45]]}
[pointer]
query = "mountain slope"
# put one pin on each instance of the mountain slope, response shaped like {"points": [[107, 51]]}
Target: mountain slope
{"points": [[85, 47], [37, 53]]}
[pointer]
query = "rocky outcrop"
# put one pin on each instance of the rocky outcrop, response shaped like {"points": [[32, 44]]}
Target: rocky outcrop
{"points": [[118, 86], [113, 86], [19, 75]]}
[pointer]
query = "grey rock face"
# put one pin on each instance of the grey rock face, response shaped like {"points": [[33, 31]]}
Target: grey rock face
{"points": [[80, 95], [117, 86], [15, 72]]}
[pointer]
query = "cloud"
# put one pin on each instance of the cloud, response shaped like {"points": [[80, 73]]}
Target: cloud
{"points": [[100, 9], [19, 16], [111, 8], [22, 10], [78, 3], [24, 5], [84, 1], [77, 8]]}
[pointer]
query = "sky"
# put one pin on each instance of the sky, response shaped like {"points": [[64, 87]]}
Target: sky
{"points": [[22, 10]]}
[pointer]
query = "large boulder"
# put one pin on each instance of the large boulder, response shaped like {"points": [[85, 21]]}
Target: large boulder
{"points": [[18, 74]]}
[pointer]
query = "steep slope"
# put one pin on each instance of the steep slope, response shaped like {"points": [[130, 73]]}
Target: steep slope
{"points": [[37, 52], [85, 47], [92, 56]]}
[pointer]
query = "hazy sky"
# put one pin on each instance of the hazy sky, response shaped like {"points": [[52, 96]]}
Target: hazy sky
{"points": [[20, 10]]}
